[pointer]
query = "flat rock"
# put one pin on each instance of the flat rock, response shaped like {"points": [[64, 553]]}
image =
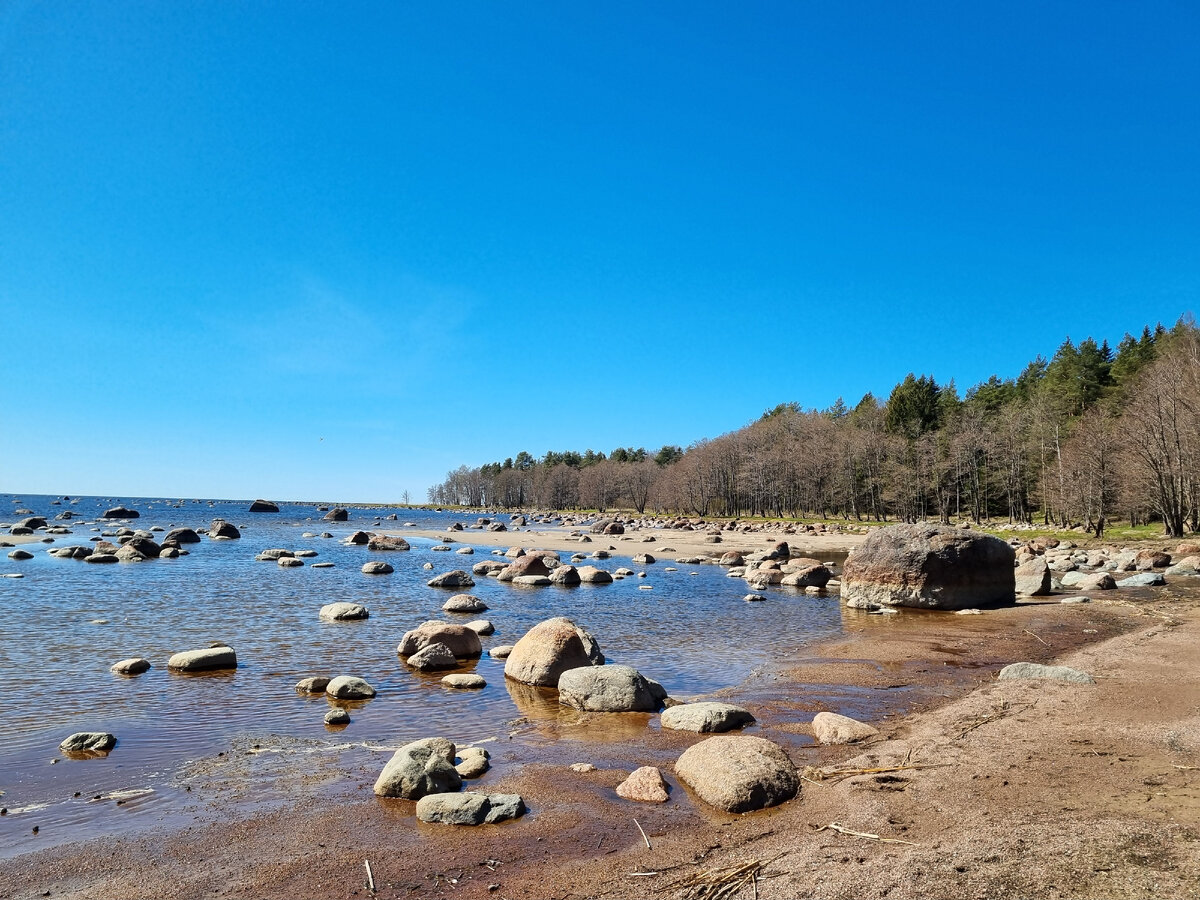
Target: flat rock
{"points": [[1024, 670], [645, 785], [831, 728], [501, 652], [705, 717], [481, 627], [465, 681], [1143, 579], [343, 612], [382, 542], [738, 773], [349, 687], [419, 768], [203, 660]]}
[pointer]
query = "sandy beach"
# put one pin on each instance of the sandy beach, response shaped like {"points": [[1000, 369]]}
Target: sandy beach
{"points": [[990, 789]]}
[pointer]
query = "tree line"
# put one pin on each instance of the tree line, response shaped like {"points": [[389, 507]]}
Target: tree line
{"points": [[1089, 435]]}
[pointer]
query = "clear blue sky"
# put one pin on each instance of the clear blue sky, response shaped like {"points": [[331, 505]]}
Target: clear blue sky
{"points": [[332, 250]]}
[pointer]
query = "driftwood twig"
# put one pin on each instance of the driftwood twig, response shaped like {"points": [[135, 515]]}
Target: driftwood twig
{"points": [[644, 838], [370, 876], [842, 829]]}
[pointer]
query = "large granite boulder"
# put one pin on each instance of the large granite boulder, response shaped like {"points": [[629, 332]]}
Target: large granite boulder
{"points": [[549, 649], [263, 506], [565, 575], [462, 641], [420, 768], [337, 514], [738, 773], [120, 512], [343, 611], [930, 567], [607, 689]]}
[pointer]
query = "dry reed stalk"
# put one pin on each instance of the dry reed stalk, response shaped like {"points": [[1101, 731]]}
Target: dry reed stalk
{"points": [[842, 829]]}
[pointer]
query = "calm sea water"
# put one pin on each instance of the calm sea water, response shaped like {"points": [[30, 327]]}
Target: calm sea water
{"points": [[65, 622]]}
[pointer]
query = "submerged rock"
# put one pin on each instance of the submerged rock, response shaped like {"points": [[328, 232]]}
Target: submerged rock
{"points": [[455, 579]]}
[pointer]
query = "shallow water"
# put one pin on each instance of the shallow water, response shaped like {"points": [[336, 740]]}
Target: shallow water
{"points": [[65, 622]]}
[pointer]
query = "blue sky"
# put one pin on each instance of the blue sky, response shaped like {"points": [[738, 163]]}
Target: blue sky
{"points": [[315, 250]]}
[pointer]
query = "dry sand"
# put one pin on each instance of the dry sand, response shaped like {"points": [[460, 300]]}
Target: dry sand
{"points": [[1016, 789]]}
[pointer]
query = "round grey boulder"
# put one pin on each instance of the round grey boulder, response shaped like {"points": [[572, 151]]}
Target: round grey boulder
{"points": [[337, 716], [377, 567], [343, 612], [607, 689], [314, 684], [738, 773], [349, 687], [420, 768]]}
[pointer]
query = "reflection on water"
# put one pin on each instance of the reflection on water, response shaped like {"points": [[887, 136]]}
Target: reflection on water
{"points": [[67, 621]]}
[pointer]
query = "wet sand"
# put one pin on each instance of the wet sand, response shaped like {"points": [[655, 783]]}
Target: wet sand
{"points": [[1023, 789]]}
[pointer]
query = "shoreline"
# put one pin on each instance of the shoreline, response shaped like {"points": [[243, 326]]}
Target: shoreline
{"points": [[932, 672]]}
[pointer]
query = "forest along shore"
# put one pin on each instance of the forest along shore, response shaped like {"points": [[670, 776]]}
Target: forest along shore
{"points": [[974, 788]]}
